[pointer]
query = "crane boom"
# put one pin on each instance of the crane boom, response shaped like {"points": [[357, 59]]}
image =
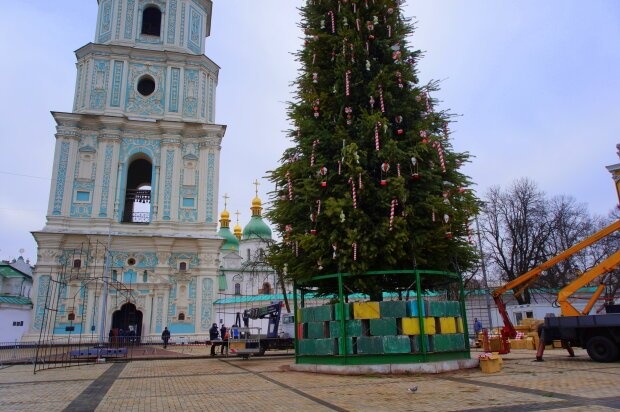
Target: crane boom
{"points": [[508, 330]]}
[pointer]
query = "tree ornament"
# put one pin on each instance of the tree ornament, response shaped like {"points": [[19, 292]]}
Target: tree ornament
{"points": [[316, 108], [398, 169], [333, 20], [357, 24], [345, 22], [392, 212], [415, 175], [381, 102], [442, 161], [389, 28], [353, 193], [385, 167], [377, 125], [399, 79], [349, 113], [375, 20], [339, 167], [372, 102], [367, 65], [399, 119], [347, 86], [342, 216], [322, 24], [318, 264], [323, 173], [334, 250], [289, 185], [424, 136], [315, 77], [314, 144], [359, 181], [354, 245]]}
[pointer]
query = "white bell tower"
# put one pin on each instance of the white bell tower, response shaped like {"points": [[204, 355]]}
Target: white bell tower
{"points": [[136, 171]]}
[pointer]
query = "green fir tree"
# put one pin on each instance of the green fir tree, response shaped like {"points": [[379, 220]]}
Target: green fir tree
{"points": [[372, 182]]}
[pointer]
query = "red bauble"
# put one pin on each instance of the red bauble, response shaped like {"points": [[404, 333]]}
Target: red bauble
{"points": [[449, 235], [415, 176], [313, 231], [400, 131], [383, 182], [323, 184]]}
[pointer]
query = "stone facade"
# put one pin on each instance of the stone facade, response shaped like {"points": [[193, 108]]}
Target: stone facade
{"points": [[131, 234]]}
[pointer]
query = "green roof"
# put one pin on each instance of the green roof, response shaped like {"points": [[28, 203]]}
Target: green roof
{"points": [[9, 271], [230, 240], [15, 300], [256, 229]]}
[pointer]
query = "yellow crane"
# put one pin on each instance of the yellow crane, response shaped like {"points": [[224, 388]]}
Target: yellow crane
{"points": [[567, 309]]}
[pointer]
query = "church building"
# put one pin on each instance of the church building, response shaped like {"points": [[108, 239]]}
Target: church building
{"points": [[130, 241]]}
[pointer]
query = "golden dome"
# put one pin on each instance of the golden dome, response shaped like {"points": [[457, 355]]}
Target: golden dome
{"points": [[225, 215]]}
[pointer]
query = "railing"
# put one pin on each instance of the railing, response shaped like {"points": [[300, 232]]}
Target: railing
{"points": [[137, 217], [53, 350]]}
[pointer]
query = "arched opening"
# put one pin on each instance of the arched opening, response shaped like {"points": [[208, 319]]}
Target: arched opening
{"points": [[138, 192], [127, 323], [77, 263], [181, 316], [266, 289], [237, 288], [182, 266], [151, 21]]}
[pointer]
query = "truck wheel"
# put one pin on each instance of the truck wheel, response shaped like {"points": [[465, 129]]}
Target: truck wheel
{"points": [[602, 349]]}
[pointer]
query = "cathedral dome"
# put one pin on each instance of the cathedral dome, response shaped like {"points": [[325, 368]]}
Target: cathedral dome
{"points": [[256, 229], [230, 241]]}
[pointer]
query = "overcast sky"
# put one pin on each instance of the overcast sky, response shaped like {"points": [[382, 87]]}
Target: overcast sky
{"points": [[536, 84]]}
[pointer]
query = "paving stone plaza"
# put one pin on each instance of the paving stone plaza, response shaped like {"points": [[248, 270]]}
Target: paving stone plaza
{"points": [[198, 382]]}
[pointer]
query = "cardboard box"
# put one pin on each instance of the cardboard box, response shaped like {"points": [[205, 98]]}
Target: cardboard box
{"points": [[491, 364]]}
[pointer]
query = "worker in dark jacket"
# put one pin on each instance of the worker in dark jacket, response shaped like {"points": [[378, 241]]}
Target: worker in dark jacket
{"points": [[213, 337]]}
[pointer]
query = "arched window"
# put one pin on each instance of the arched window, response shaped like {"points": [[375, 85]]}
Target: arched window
{"points": [[71, 316], [181, 316], [237, 288], [114, 275], [145, 277], [151, 21], [266, 289], [183, 266], [77, 263]]}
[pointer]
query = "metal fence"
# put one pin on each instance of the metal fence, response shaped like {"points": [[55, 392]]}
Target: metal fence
{"points": [[65, 351]]}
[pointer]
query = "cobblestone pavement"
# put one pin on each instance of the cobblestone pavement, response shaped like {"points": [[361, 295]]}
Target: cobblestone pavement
{"points": [[265, 384]]}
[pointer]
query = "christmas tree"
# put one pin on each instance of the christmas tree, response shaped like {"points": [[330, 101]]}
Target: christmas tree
{"points": [[372, 182]]}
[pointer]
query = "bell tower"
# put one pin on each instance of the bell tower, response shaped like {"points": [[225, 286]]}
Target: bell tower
{"points": [[136, 169]]}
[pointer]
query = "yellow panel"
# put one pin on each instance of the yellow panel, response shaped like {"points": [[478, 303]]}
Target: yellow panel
{"points": [[447, 325], [366, 310], [459, 325], [411, 326]]}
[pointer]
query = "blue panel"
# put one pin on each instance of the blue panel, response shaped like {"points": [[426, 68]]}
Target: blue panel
{"points": [[172, 19], [210, 185], [117, 79], [195, 31], [191, 87], [99, 84], [60, 178], [180, 328], [130, 276], [129, 19], [81, 196], [175, 74], [105, 24], [188, 202]]}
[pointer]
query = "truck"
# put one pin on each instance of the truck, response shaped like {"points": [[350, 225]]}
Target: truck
{"points": [[599, 334], [280, 329]]}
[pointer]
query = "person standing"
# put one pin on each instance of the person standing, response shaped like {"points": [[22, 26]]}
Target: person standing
{"points": [[477, 327], [225, 336], [213, 337], [165, 336]]}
